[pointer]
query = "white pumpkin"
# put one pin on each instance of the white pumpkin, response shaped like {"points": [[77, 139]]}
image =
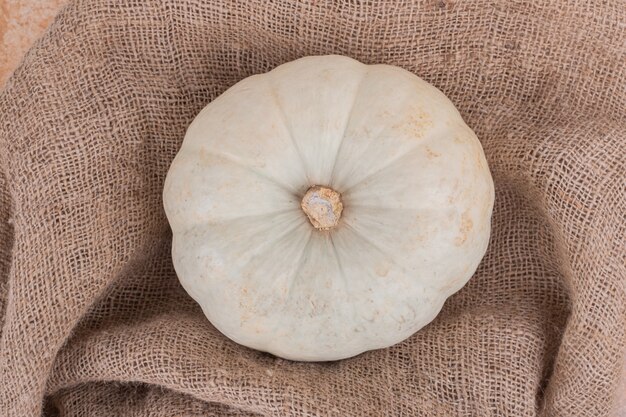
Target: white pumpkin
{"points": [[327, 208]]}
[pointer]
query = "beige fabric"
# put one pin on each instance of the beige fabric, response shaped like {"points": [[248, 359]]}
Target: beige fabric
{"points": [[94, 320]]}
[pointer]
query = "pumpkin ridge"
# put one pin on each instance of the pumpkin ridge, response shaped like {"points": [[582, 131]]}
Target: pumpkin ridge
{"points": [[283, 118], [348, 120], [395, 160]]}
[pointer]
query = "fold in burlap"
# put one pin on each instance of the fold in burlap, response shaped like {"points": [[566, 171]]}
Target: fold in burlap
{"points": [[94, 320]]}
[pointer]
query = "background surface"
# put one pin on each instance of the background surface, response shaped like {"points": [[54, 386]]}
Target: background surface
{"points": [[23, 21]]}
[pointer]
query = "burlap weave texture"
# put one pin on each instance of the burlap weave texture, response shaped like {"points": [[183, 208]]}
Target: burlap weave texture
{"points": [[94, 322]]}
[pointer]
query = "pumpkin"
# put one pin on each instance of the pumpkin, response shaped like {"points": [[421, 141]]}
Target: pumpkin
{"points": [[327, 208]]}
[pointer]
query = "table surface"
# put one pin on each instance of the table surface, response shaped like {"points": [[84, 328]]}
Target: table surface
{"points": [[23, 21]]}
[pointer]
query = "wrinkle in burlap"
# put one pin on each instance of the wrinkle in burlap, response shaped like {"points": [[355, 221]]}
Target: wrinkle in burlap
{"points": [[94, 320]]}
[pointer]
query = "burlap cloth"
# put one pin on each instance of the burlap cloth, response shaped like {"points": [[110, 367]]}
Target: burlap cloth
{"points": [[94, 320]]}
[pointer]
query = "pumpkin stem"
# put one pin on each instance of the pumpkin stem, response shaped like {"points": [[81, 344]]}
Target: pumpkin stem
{"points": [[323, 207]]}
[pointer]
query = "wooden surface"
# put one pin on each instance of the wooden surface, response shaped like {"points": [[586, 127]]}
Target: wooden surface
{"points": [[23, 21]]}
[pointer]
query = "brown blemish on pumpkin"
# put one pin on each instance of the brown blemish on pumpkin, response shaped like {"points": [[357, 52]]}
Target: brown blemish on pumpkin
{"points": [[430, 154], [245, 305], [453, 197], [466, 227], [382, 270], [448, 287], [479, 159], [487, 208], [416, 124]]}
